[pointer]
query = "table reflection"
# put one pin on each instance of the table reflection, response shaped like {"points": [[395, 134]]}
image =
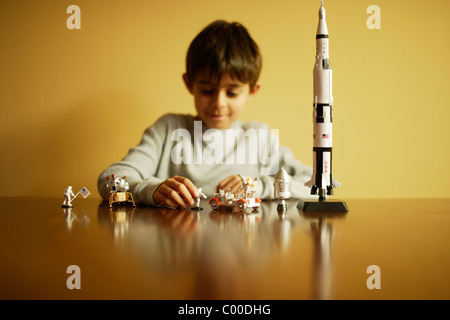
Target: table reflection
{"points": [[71, 217], [321, 228], [226, 252]]}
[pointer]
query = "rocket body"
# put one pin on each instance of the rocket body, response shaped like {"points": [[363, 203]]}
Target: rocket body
{"points": [[322, 182]]}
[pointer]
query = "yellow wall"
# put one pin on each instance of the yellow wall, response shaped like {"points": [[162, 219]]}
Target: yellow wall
{"points": [[74, 101]]}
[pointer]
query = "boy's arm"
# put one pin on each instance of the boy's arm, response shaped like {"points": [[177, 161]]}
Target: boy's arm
{"points": [[140, 165], [142, 189]]}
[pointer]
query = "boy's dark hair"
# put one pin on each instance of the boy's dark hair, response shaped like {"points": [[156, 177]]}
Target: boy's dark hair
{"points": [[224, 47]]}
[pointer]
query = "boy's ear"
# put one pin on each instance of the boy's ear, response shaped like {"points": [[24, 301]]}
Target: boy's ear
{"points": [[254, 90], [187, 83]]}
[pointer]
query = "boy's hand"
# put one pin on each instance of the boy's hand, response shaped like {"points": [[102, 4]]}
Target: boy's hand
{"points": [[177, 192], [233, 182]]}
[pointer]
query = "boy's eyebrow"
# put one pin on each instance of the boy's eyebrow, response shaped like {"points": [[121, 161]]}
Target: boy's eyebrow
{"points": [[206, 82], [234, 85]]}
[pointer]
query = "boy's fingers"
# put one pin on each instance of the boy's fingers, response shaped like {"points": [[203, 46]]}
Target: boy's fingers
{"points": [[235, 189], [188, 184], [176, 192], [232, 182], [235, 184], [226, 181], [168, 196], [185, 188]]}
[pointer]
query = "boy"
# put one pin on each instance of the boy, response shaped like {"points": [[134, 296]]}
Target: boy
{"points": [[212, 149]]}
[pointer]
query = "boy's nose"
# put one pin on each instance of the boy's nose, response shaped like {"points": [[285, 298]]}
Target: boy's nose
{"points": [[220, 100]]}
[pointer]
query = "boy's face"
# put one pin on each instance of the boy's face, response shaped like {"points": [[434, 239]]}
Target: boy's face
{"points": [[219, 104]]}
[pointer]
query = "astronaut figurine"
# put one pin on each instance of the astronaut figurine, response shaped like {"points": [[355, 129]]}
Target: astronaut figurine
{"points": [[68, 197], [197, 200]]}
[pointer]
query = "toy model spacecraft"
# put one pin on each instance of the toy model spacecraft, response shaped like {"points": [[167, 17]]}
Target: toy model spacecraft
{"points": [[118, 190], [282, 188], [322, 181]]}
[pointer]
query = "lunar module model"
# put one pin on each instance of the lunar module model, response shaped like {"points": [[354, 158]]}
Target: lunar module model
{"points": [[226, 199], [118, 189]]}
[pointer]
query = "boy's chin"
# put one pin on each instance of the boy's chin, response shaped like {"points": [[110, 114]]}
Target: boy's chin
{"points": [[218, 124]]}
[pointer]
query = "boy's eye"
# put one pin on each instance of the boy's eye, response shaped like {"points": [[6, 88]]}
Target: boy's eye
{"points": [[212, 91], [207, 92]]}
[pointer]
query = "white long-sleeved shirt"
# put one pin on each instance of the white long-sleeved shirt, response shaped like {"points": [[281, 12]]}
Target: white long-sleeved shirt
{"points": [[177, 144]]}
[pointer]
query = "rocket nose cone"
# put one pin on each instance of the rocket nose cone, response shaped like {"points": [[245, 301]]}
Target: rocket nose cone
{"points": [[322, 26], [322, 13]]}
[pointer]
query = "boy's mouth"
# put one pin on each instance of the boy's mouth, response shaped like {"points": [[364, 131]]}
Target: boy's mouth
{"points": [[216, 116]]}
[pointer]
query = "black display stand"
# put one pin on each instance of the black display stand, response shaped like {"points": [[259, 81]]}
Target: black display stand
{"points": [[322, 206]]}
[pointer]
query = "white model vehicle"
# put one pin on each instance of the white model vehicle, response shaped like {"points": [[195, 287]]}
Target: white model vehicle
{"points": [[228, 200]]}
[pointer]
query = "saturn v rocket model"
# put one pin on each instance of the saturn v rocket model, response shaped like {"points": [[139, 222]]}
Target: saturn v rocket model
{"points": [[322, 181]]}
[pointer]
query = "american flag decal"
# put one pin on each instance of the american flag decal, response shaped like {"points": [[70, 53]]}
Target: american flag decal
{"points": [[84, 192], [324, 135]]}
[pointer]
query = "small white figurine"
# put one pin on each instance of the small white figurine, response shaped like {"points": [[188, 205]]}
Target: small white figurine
{"points": [[197, 200], [68, 197], [250, 184]]}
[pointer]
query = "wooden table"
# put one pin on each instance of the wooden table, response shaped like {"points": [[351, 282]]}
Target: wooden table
{"points": [[128, 252]]}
